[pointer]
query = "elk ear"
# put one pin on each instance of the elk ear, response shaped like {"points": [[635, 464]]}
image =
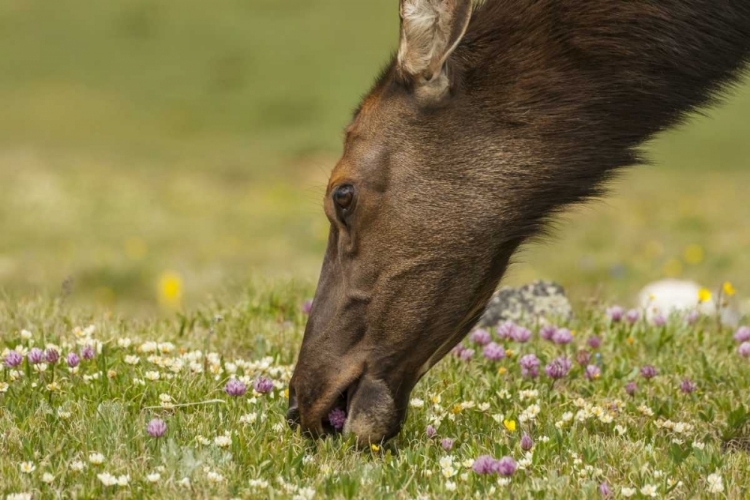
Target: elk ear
{"points": [[430, 31]]}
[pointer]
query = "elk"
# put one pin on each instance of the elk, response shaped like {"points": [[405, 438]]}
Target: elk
{"points": [[489, 120]]}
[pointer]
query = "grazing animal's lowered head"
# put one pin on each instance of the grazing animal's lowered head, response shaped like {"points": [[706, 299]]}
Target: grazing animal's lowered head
{"points": [[488, 120]]}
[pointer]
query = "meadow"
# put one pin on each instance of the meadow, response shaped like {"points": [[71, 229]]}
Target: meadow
{"points": [[161, 172], [609, 406]]}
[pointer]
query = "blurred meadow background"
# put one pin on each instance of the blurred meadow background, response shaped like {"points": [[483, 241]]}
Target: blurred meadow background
{"points": [[155, 153]]}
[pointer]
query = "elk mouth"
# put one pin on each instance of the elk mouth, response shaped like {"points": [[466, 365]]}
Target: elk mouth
{"points": [[333, 420]]}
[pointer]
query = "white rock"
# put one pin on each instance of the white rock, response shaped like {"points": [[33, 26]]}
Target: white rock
{"points": [[671, 295]]}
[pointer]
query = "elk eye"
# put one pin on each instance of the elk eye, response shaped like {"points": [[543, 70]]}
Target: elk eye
{"points": [[343, 196]]}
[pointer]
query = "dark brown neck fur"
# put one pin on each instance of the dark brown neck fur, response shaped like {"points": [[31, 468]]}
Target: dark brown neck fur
{"points": [[588, 81]]}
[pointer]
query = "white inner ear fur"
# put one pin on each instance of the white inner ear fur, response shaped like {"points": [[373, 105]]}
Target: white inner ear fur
{"points": [[426, 28]]}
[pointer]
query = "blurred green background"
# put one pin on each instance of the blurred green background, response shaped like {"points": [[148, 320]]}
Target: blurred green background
{"points": [[153, 153]]}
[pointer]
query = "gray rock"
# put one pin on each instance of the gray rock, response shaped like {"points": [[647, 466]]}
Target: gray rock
{"points": [[540, 299]]}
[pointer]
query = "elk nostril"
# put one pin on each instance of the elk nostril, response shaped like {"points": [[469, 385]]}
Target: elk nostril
{"points": [[292, 413]]}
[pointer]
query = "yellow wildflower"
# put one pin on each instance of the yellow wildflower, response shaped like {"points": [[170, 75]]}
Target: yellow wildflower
{"points": [[630, 340], [728, 289], [502, 370], [704, 295], [509, 353], [456, 409], [510, 425], [375, 447], [170, 289]]}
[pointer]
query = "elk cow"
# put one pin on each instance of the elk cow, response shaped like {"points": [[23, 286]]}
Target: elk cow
{"points": [[489, 119]]}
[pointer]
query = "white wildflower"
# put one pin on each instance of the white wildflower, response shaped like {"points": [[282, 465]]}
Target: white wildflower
{"points": [[27, 467], [715, 484], [223, 441], [132, 359], [18, 496], [249, 418], [648, 490], [214, 477], [107, 479]]}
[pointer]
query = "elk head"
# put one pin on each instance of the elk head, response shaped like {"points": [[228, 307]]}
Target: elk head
{"points": [[411, 257], [480, 128]]}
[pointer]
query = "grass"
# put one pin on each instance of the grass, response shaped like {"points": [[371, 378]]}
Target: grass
{"points": [[585, 432]]}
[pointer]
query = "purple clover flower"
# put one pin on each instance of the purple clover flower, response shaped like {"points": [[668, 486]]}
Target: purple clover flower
{"points": [[493, 351], [35, 355], [506, 466], [447, 444], [505, 330], [466, 354], [156, 428], [87, 352], [742, 334], [480, 336], [632, 316], [520, 334], [235, 387], [659, 319], [631, 387], [307, 306], [72, 359], [558, 368], [562, 336], [526, 442], [430, 431], [262, 385], [604, 490], [592, 372], [484, 464], [648, 372], [51, 356], [337, 418], [594, 342], [12, 359], [529, 366], [744, 349], [687, 386], [547, 332], [456, 351], [615, 313]]}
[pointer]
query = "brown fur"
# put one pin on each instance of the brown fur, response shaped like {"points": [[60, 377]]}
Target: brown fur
{"points": [[539, 104]]}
